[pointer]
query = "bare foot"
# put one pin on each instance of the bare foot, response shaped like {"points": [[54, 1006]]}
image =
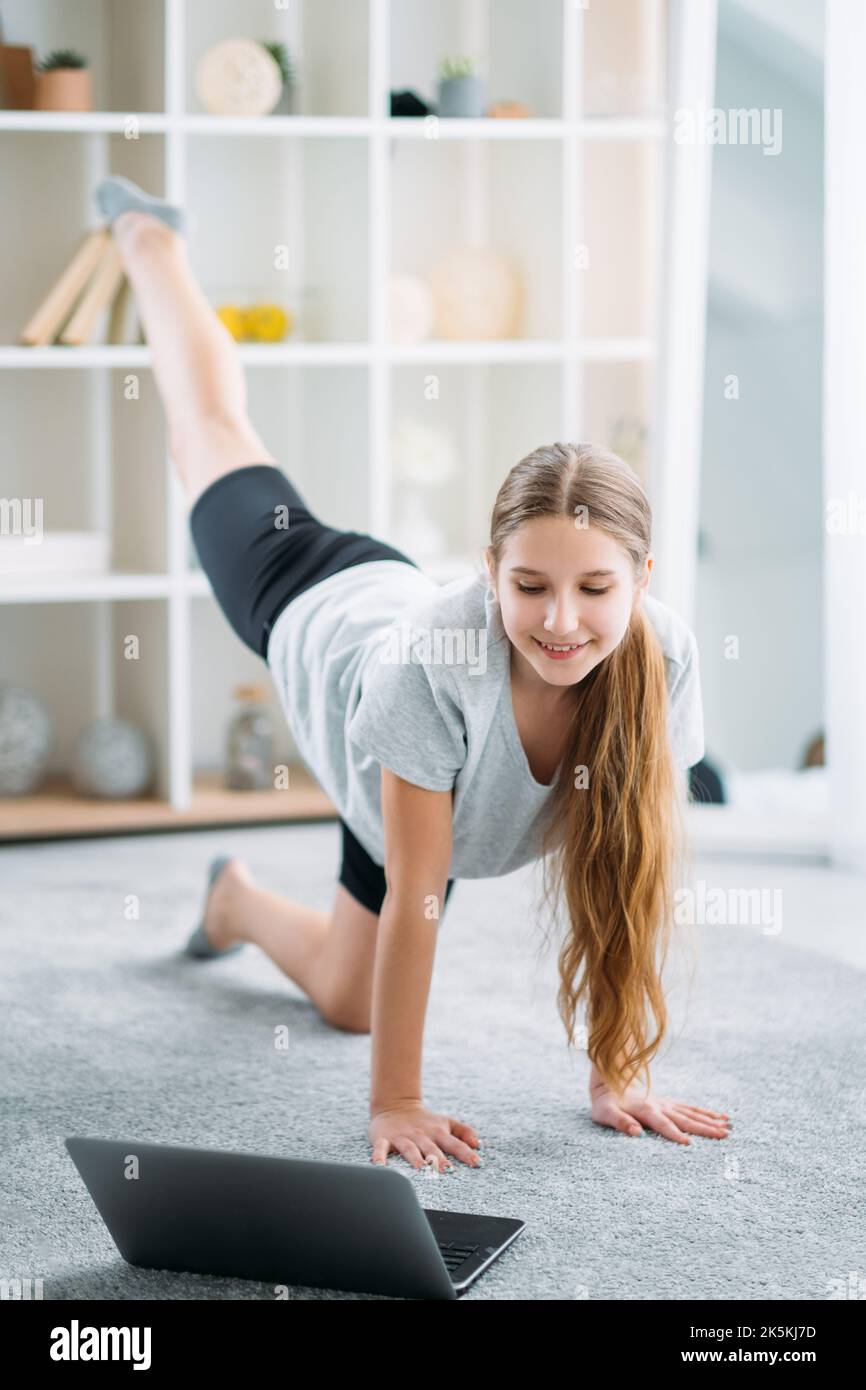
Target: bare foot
{"points": [[133, 229], [224, 909]]}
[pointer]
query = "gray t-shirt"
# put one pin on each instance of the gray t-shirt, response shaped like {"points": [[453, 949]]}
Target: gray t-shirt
{"points": [[380, 664]]}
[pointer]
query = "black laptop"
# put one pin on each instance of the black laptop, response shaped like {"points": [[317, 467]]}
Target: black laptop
{"points": [[352, 1226]]}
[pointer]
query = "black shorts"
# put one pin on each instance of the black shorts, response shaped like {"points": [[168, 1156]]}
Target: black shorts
{"points": [[256, 567], [363, 878]]}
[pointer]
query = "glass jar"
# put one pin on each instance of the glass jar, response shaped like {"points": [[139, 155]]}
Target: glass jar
{"points": [[250, 743]]}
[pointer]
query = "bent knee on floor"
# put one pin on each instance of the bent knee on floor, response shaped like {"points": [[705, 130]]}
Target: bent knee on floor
{"points": [[350, 1025], [346, 1016]]}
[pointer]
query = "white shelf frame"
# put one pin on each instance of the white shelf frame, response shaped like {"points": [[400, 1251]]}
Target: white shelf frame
{"points": [[689, 37]]}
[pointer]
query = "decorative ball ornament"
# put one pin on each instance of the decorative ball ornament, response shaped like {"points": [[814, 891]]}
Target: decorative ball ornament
{"points": [[26, 733], [412, 309], [238, 77], [112, 758], [477, 294]]}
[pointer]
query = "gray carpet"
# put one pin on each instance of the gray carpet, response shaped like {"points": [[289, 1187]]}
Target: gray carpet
{"points": [[107, 1031]]}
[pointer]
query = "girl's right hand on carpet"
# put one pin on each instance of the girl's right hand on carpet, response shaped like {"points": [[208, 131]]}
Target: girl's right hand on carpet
{"points": [[422, 1135]]}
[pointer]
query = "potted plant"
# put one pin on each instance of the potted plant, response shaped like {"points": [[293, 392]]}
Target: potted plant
{"points": [[462, 91], [280, 55], [63, 82]]}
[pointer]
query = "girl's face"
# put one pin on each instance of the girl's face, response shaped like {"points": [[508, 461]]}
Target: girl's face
{"points": [[548, 593]]}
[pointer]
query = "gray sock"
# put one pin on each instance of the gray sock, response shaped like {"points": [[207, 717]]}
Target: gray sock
{"points": [[199, 943], [117, 194]]}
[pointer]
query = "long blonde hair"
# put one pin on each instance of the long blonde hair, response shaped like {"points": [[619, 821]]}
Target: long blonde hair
{"points": [[612, 849]]}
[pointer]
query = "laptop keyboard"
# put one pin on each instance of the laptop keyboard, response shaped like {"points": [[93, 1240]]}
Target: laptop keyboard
{"points": [[454, 1253]]}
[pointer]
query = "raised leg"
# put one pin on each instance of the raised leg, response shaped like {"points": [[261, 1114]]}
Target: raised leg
{"points": [[201, 382], [329, 955], [195, 359]]}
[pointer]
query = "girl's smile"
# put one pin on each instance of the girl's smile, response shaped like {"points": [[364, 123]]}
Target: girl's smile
{"points": [[561, 655]]}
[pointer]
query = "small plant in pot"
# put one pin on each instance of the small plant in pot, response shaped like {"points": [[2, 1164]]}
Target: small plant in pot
{"points": [[63, 82], [462, 91]]}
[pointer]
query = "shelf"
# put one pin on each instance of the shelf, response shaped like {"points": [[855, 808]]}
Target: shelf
{"points": [[487, 128], [352, 196], [69, 588], [332, 127], [294, 227], [56, 810], [347, 55], [349, 354], [124, 45], [73, 588], [328, 43], [521, 350]]}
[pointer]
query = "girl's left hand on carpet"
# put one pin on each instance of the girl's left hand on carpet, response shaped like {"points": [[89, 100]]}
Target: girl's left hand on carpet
{"points": [[671, 1118]]}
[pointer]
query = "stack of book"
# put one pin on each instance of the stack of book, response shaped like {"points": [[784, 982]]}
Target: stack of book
{"points": [[93, 282]]}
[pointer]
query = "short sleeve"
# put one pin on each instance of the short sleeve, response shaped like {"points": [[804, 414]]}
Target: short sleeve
{"points": [[685, 708], [409, 719]]}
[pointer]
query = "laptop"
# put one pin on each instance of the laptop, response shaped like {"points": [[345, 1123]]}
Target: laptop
{"points": [[352, 1226]]}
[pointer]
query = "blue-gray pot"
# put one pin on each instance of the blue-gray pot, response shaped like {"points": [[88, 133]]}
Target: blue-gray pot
{"points": [[462, 96]]}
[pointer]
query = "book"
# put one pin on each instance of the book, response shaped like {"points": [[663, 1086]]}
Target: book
{"points": [[97, 296], [124, 325], [52, 312]]}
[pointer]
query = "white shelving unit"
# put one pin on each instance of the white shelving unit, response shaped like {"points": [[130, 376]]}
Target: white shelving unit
{"points": [[355, 195]]}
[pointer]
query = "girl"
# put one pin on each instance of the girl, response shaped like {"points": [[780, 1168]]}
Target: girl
{"points": [[551, 728]]}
